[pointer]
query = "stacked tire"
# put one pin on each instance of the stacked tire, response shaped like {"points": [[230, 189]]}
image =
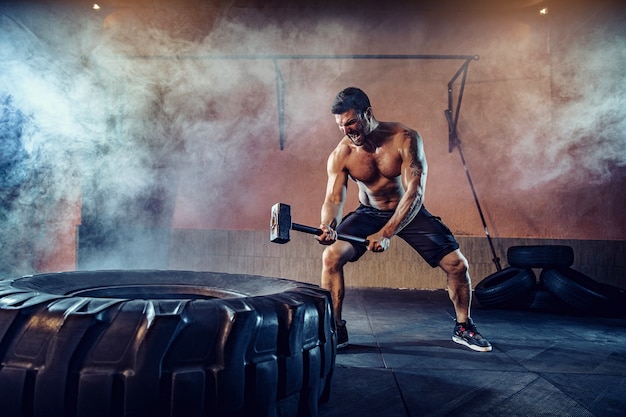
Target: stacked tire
{"points": [[163, 343], [559, 288]]}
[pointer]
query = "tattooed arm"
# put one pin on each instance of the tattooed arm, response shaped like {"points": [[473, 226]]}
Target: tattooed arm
{"points": [[413, 175]]}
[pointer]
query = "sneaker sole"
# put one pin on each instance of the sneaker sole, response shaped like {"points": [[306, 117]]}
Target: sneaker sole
{"points": [[463, 342], [342, 345]]}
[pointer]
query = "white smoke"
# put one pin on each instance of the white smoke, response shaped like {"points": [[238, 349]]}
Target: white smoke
{"points": [[122, 110], [586, 137]]}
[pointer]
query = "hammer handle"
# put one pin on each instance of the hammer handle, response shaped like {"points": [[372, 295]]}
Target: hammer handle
{"points": [[316, 231]]}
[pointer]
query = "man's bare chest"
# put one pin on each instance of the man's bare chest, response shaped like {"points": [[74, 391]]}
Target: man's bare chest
{"points": [[371, 167]]}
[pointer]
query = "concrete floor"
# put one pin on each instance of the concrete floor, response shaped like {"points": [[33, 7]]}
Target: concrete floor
{"points": [[401, 361]]}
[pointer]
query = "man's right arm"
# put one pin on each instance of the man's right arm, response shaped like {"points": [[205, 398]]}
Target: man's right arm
{"points": [[332, 208]]}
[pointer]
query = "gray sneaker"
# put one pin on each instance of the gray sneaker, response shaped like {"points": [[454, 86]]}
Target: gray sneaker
{"points": [[467, 335]]}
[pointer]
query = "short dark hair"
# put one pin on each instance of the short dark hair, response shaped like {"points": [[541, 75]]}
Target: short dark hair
{"points": [[350, 98]]}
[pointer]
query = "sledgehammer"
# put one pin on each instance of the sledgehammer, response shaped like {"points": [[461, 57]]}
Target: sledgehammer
{"points": [[280, 225]]}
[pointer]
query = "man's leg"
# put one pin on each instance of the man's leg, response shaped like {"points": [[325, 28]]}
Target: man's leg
{"points": [[460, 291], [334, 258], [459, 283]]}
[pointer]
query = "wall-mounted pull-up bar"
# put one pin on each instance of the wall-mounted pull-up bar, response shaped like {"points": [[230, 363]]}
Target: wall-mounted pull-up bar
{"points": [[280, 81]]}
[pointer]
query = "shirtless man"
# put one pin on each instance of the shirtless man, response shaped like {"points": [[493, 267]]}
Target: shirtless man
{"points": [[387, 162]]}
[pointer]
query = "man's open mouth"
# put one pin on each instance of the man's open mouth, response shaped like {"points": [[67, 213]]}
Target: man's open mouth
{"points": [[355, 137]]}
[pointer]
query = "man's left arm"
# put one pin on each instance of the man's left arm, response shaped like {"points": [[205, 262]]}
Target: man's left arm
{"points": [[413, 175]]}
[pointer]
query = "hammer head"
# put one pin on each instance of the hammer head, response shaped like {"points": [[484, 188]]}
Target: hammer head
{"points": [[280, 223]]}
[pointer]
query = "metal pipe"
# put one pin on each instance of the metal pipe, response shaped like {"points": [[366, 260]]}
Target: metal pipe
{"points": [[280, 96], [452, 132], [304, 56]]}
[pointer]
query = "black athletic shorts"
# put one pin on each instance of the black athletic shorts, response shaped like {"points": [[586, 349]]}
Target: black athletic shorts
{"points": [[427, 234]]}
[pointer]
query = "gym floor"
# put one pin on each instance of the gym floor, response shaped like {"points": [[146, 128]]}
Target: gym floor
{"points": [[401, 361]]}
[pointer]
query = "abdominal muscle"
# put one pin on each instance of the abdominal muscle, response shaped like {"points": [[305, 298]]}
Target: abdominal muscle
{"points": [[384, 197]]}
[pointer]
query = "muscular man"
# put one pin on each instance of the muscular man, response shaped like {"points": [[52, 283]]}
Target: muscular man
{"points": [[387, 162]]}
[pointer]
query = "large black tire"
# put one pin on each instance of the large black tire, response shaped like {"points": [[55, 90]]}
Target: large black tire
{"points": [[540, 256], [508, 288], [577, 290], [163, 343]]}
